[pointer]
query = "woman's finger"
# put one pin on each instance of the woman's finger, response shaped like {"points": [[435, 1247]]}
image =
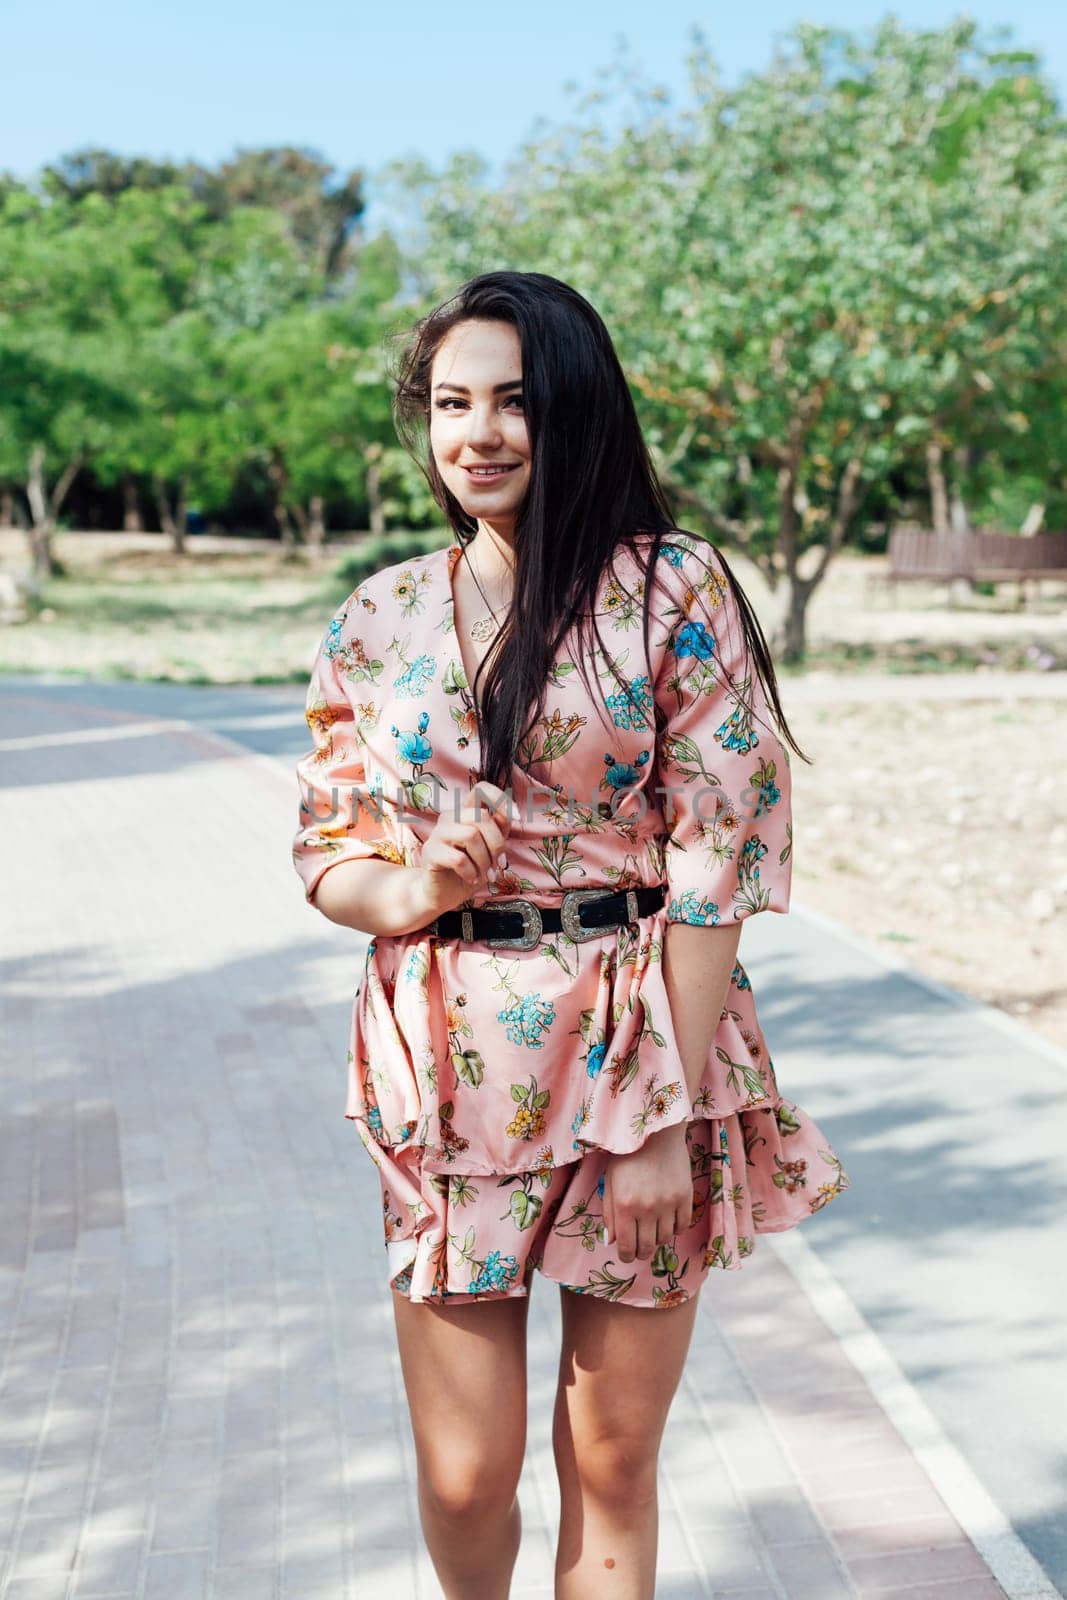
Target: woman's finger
{"points": [[607, 1225], [646, 1238]]}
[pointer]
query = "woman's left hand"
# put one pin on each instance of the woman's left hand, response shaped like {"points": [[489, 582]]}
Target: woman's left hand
{"points": [[648, 1194]]}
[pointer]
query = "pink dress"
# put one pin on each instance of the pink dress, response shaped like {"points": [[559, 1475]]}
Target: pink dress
{"points": [[490, 1085]]}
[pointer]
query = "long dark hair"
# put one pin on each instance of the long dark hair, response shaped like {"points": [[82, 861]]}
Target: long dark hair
{"points": [[592, 489]]}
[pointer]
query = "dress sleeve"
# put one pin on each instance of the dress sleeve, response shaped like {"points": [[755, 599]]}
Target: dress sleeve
{"points": [[723, 770], [341, 819]]}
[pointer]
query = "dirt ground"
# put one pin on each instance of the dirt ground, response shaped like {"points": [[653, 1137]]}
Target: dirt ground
{"points": [[933, 825], [938, 829]]}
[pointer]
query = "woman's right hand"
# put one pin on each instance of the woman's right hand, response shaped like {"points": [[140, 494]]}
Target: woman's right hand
{"points": [[456, 859]]}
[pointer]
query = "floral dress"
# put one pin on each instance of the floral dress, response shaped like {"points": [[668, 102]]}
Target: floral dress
{"points": [[490, 1085]]}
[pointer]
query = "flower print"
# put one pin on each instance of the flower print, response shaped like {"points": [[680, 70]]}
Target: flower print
{"points": [[595, 1059], [406, 590], [498, 1273], [769, 793], [737, 732], [413, 683], [529, 1120], [750, 895], [693, 639], [672, 553], [827, 1191], [740, 977], [623, 775], [452, 1143], [632, 707], [526, 1019], [658, 1101], [692, 906], [355, 664], [791, 1175], [581, 1117], [332, 642], [414, 748], [545, 1161], [559, 736]]}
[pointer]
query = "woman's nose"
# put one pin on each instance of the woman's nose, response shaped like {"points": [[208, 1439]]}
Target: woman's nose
{"points": [[482, 426]]}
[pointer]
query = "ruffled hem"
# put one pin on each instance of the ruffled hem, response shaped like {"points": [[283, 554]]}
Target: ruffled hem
{"points": [[459, 1237], [495, 1107]]}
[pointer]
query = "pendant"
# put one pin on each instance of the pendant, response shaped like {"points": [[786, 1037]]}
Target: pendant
{"points": [[483, 629]]}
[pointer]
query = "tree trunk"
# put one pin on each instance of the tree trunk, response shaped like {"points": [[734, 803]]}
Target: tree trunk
{"points": [[961, 589], [7, 509], [172, 522], [132, 520], [279, 479], [374, 496], [317, 523], [938, 487], [44, 509]]}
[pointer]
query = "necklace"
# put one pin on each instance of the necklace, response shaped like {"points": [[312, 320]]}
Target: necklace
{"points": [[485, 626]]}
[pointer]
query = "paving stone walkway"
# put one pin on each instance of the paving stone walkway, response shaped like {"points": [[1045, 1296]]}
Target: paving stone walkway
{"points": [[200, 1395]]}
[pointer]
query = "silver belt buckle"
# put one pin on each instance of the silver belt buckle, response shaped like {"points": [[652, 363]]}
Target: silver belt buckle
{"points": [[568, 914], [531, 925]]}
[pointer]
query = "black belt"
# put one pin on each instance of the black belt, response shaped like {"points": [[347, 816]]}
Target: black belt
{"points": [[519, 924]]}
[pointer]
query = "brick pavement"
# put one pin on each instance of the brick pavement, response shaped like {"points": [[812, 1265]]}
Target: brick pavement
{"points": [[201, 1397]]}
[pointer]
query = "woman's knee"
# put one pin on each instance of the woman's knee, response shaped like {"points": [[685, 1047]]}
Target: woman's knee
{"points": [[469, 1486], [614, 1468]]}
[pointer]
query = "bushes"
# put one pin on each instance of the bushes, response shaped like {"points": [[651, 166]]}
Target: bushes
{"points": [[383, 550]]}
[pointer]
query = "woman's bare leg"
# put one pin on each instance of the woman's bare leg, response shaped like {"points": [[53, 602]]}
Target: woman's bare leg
{"points": [[464, 1369], [619, 1369]]}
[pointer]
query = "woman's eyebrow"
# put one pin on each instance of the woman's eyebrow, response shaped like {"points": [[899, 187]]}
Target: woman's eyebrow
{"points": [[498, 388]]}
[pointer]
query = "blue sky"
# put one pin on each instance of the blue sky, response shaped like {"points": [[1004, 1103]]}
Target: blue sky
{"points": [[362, 84]]}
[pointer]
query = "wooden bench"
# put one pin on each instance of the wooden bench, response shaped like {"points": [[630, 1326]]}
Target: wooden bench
{"points": [[974, 557]]}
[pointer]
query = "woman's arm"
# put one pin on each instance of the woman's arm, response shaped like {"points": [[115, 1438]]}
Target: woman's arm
{"points": [[373, 897], [697, 964]]}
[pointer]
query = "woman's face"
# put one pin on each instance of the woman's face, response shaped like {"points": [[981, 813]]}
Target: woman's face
{"points": [[477, 420]]}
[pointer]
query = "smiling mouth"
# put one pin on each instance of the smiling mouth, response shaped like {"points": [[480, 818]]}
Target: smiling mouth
{"points": [[490, 472]]}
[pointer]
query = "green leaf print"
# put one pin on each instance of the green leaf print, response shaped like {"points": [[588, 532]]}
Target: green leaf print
{"points": [[525, 1208], [469, 1067]]}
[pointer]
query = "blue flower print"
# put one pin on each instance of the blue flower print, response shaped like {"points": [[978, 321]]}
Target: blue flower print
{"points": [[672, 553], [497, 1273], [769, 795], [630, 708], [740, 977], [622, 774], [600, 1186], [374, 1119], [691, 906], [332, 641], [526, 1020], [595, 1059], [412, 747], [737, 732], [413, 683], [694, 640], [752, 851]]}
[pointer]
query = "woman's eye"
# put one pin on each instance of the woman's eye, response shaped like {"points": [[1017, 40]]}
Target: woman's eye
{"points": [[453, 400]]}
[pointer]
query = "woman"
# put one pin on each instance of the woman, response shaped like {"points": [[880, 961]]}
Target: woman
{"points": [[579, 1084]]}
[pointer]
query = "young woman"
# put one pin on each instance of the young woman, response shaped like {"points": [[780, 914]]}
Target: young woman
{"points": [[545, 780]]}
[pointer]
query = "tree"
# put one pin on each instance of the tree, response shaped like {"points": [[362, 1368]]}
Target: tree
{"points": [[856, 255]]}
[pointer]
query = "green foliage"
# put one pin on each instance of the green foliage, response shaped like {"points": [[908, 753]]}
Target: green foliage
{"points": [[849, 266], [374, 553]]}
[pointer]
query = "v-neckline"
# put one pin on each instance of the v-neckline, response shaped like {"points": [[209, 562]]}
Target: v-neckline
{"points": [[453, 555]]}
